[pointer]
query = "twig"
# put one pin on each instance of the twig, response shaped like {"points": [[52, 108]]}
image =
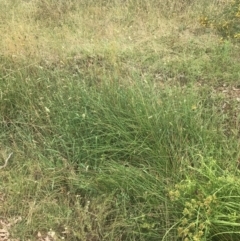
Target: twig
{"points": [[6, 161]]}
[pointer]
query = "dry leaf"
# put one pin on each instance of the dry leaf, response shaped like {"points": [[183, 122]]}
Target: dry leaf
{"points": [[51, 236], [4, 235]]}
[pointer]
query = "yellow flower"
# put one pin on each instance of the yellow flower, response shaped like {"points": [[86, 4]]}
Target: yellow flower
{"points": [[238, 14], [193, 201], [186, 232], [201, 226], [174, 195], [192, 225], [184, 221], [237, 35], [200, 233], [208, 200], [186, 212], [196, 238], [188, 204], [180, 231], [194, 107]]}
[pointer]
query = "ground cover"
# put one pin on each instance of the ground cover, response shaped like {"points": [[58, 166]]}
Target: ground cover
{"points": [[119, 121]]}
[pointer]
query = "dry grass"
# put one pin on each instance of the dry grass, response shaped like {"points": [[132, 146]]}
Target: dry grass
{"points": [[48, 31]]}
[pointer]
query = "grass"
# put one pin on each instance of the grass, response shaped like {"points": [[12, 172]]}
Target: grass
{"points": [[123, 122]]}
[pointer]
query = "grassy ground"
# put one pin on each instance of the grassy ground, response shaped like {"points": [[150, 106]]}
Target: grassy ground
{"points": [[123, 121]]}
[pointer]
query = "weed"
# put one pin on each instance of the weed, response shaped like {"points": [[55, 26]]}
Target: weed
{"points": [[227, 22], [208, 207]]}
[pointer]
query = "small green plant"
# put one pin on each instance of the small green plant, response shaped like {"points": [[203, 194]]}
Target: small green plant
{"points": [[227, 23], [209, 203]]}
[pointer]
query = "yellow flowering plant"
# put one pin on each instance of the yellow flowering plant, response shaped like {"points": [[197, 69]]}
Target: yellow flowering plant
{"points": [[226, 23], [207, 202]]}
